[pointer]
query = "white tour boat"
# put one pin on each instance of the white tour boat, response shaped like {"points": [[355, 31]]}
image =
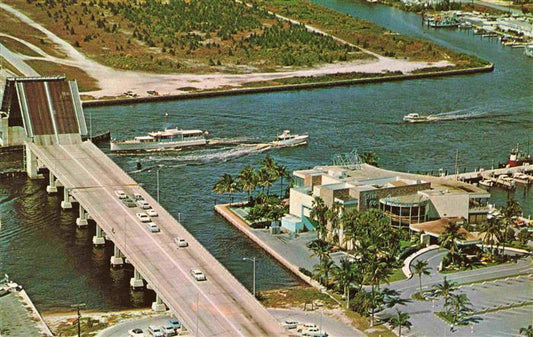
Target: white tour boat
{"points": [[168, 139], [288, 139], [416, 118]]}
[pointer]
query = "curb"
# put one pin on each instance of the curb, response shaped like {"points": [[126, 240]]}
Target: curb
{"points": [[406, 269]]}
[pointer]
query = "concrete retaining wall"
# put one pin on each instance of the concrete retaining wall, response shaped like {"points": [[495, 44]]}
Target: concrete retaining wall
{"points": [[230, 92]]}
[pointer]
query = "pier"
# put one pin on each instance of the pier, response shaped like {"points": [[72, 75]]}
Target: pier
{"points": [[507, 178], [53, 123]]}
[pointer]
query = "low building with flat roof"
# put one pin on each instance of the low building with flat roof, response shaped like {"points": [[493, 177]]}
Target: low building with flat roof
{"points": [[405, 198]]}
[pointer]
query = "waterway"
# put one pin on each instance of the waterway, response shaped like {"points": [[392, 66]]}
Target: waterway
{"points": [[41, 248]]}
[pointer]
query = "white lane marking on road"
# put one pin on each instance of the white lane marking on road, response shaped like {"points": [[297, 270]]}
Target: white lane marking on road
{"points": [[161, 248]]}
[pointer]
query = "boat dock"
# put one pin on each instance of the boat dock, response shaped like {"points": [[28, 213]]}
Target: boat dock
{"points": [[508, 178]]}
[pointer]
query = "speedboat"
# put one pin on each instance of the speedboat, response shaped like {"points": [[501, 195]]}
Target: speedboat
{"points": [[288, 139], [416, 118], [167, 139]]}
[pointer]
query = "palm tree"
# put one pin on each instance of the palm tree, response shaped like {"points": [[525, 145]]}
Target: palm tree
{"points": [[460, 304], [370, 158], [320, 248], [401, 320], [333, 218], [226, 184], [421, 267], [248, 179], [491, 231], [344, 276], [322, 270], [445, 289], [318, 215], [449, 239], [281, 172], [509, 213], [264, 179]]}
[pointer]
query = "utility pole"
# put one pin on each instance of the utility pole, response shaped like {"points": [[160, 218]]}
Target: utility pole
{"points": [[78, 306], [253, 260]]}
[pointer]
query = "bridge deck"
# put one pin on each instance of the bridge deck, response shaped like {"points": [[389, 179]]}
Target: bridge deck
{"points": [[220, 306]]}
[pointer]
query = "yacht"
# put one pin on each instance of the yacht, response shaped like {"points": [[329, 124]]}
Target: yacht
{"points": [[416, 118], [169, 139], [288, 139]]}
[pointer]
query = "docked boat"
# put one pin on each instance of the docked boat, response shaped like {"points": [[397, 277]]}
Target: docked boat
{"points": [[485, 183], [288, 139], [416, 118], [168, 139]]}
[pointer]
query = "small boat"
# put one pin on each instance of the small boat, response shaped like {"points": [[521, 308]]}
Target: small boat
{"points": [[485, 183], [416, 118], [288, 139], [168, 139]]}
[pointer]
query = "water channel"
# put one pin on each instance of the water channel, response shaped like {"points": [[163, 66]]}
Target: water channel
{"points": [[41, 248]]}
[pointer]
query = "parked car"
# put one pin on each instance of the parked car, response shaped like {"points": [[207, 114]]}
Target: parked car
{"points": [[314, 332], [4, 292], [136, 333], [151, 212], [143, 217], [155, 331], [120, 194], [153, 227], [128, 202], [168, 330], [175, 323], [143, 204], [289, 324], [198, 275], [180, 242]]}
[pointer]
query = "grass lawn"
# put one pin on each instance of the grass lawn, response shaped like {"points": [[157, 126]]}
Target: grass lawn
{"points": [[397, 275], [45, 68]]}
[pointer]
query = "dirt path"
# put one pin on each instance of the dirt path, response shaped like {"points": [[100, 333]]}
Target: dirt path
{"points": [[114, 82]]}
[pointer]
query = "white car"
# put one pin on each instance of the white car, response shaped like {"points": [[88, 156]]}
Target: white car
{"points": [[168, 331], [143, 217], [314, 332], [153, 227], [198, 275], [143, 204], [155, 331], [181, 242], [289, 324], [151, 213], [136, 332], [120, 194]]}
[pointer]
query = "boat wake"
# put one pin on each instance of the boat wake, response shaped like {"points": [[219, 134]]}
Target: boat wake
{"points": [[459, 114]]}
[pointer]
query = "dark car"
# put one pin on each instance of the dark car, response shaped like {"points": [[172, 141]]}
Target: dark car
{"points": [[128, 202]]}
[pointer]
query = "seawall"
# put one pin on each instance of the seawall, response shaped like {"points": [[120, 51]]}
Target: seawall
{"points": [[288, 87]]}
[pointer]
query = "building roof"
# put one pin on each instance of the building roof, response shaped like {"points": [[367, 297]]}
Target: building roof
{"points": [[435, 228], [44, 106]]}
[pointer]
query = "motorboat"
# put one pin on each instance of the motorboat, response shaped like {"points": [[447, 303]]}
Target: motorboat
{"points": [[416, 118], [288, 139], [167, 139], [485, 183]]}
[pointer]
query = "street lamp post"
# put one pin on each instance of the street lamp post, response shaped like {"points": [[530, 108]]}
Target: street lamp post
{"points": [[157, 174], [78, 306], [253, 260]]}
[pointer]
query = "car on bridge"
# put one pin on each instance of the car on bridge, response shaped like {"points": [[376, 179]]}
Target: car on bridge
{"points": [[181, 242], [120, 194], [151, 212], [128, 202], [198, 275], [137, 196], [143, 204], [289, 324], [153, 227], [143, 217]]}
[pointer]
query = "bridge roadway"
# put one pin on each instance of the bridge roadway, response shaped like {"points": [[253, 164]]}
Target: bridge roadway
{"points": [[220, 306]]}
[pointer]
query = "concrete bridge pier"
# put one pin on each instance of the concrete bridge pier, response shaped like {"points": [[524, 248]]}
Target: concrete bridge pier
{"points": [[66, 204], [81, 221], [136, 281], [32, 165], [52, 187], [98, 239], [116, 258], [158, 305]]}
